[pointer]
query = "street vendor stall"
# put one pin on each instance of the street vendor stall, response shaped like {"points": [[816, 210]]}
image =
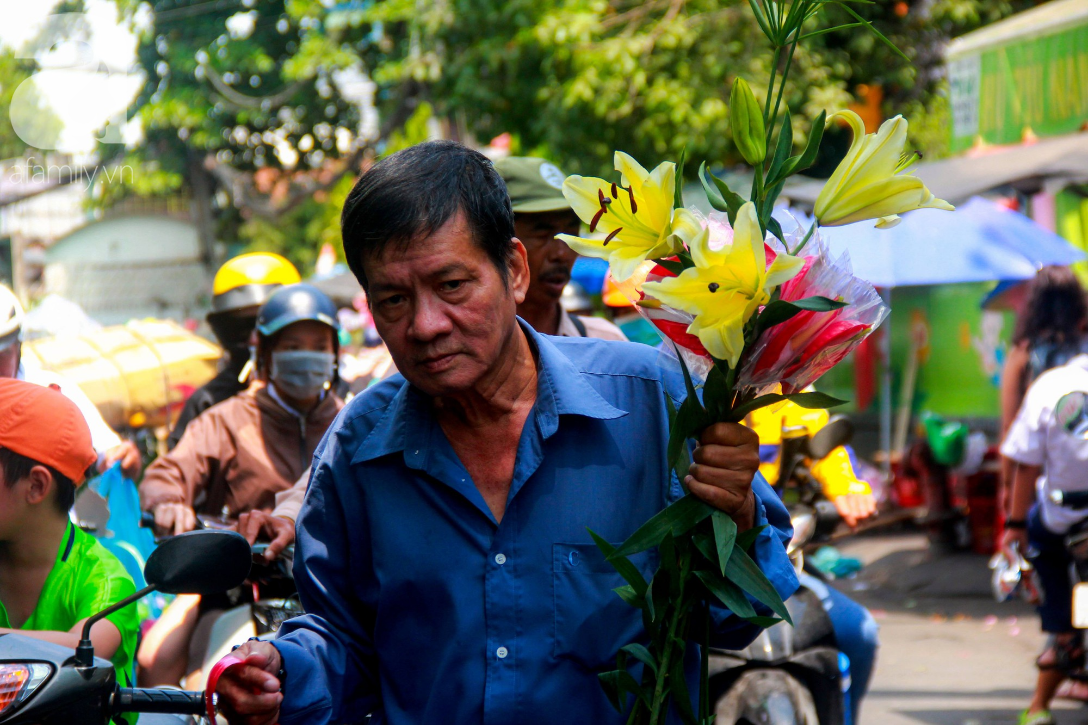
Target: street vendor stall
{"points": [[138, 375]]}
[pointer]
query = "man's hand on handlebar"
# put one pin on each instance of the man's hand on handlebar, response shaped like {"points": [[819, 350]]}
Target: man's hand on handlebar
{"points": [[250, 694], [174, 518], [853, 507], [258, 524]]}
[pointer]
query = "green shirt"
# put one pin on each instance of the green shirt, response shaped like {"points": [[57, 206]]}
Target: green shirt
{"points": [[84, 580]]}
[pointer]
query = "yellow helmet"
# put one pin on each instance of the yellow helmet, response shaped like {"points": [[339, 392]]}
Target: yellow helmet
{"points": [[248, 280]]}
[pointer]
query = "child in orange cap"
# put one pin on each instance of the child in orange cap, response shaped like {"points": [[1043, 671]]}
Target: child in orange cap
{"points": [[53, 576]]}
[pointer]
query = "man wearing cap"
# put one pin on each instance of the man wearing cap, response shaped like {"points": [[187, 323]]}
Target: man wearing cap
{"points": [[53, 576], [541, 213]]}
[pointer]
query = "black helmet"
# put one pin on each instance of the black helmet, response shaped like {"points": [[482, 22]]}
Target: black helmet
{"points": [[295, 303]]}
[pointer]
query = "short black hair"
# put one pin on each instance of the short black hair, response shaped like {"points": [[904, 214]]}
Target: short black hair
{"points": [[17, 467], [412, 193]]}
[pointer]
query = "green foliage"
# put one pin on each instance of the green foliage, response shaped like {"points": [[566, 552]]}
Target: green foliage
{"points": [[13, 72]]}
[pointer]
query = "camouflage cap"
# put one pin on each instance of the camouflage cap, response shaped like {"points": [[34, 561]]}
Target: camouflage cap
{"points": [[534, 185]]}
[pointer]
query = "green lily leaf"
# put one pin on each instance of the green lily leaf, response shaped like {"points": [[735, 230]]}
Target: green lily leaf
{"points": [[679, 686], [704, 544], [672, 265], [744, 572], [815, 400], [627, 593], [763, 622], [640, 653], [756, 403], [681, 456], [873, 30], [716, 394], [779, 311], [690, 419], [618, 684], [678, 194], [745, 539], [720, 196], [622, 564], [727, 593], [783, 150], [807, 157], [676, 520], [725, 536]]}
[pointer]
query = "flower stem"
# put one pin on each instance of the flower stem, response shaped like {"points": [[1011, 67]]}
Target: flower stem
{"points": [[781, 88], [808, 236], [767, 103], [659, 709]]}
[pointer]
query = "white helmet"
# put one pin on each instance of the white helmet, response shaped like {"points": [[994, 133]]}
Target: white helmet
{"points": [[11, 317]]}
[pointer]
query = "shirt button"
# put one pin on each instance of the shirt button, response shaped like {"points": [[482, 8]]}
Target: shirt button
{"points": [[500, 559], [501, 653]]}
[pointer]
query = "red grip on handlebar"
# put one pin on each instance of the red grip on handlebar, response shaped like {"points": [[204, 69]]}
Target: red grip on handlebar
{"points": [[213, 679]]}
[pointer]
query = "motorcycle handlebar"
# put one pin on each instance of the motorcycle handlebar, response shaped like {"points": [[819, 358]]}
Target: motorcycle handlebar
{"points": [[174, 702], [1070, 499]]}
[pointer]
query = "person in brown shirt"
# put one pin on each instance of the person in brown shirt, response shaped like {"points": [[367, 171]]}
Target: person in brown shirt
{"points": [[237, 455]]}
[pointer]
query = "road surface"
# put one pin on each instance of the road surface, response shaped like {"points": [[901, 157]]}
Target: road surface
{"points": [[950, 654]]}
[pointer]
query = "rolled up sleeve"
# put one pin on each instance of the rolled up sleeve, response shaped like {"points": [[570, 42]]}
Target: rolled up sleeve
{"points": [[328, 654]]}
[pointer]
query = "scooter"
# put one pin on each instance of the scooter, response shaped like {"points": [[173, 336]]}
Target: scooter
{"points": [[47, 684], [1076, 543], [792, 675], [274, 597], [275, 600]]}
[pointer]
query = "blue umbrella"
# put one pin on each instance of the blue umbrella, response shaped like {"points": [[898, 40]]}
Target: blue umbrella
{"points": [[930, 246], [1037, 243]]}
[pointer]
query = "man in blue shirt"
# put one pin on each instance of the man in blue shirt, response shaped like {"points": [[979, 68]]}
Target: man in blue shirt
{"points": [[442, 551]]}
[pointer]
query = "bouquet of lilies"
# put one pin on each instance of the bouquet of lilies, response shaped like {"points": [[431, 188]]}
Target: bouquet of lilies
{"points": [[754, 321]]}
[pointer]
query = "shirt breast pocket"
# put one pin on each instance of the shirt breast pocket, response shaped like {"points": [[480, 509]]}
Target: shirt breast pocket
{"points": [[591, 621]]}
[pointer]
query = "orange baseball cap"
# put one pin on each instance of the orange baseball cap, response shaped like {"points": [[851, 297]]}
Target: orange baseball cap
{"points": [[40, 423]]}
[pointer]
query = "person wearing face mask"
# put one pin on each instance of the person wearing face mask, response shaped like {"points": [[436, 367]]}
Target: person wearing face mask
{"points": [[239, 289], [237, 455]]}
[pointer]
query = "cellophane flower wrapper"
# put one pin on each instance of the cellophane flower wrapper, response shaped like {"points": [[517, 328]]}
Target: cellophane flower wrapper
{"points": [[797, 352], [792, 354]]}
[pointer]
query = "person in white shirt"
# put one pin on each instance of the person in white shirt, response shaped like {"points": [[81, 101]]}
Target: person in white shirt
{"points": [[1048, 442], [109, 446]]}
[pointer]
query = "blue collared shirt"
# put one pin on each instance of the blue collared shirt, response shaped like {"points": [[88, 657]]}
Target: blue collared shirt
{"points": [[424, 609]]}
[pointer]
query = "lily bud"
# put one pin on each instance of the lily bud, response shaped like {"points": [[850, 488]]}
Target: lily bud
{"points": [[746, 119]]}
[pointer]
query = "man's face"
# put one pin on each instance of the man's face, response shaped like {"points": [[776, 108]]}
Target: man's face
{"points": [[550, 259], [9, 361], [442, 309]]}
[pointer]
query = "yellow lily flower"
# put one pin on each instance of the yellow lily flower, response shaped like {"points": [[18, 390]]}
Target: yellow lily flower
{"points": [[726, 286], [868, 184], [636, 215]]}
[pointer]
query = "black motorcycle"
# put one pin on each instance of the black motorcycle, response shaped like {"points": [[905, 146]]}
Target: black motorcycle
{"points": [[791, 675], [47, 684]]}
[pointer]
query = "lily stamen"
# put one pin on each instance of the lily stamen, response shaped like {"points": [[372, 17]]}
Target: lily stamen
{"points": [[611, 235], [596, 219]]}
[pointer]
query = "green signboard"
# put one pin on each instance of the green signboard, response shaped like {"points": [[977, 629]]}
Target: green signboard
{"points": [[1028, 78]]}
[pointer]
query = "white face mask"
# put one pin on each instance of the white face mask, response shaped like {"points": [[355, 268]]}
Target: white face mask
{"points": [[302, 374]]}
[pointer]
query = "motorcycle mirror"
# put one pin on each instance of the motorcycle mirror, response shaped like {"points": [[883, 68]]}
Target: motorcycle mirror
{"points": [[804, 527], [838, 432], [199, 562]]}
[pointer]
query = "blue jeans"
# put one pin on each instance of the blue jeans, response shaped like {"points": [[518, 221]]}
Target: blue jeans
{"points": [[1051, 561], [855, 632]]}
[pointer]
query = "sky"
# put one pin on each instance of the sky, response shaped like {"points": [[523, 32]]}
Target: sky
{"points": [[85, 84]]}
